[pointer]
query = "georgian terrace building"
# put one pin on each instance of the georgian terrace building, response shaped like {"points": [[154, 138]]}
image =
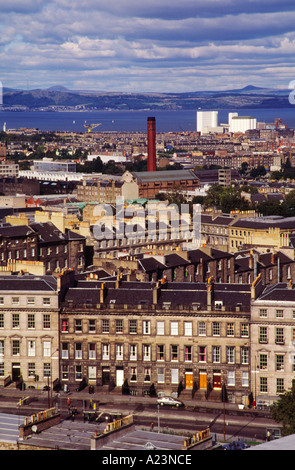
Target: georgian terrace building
{"points": [[165, 335]]}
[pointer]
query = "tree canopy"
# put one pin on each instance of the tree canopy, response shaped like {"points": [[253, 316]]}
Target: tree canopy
{"points": [[283, 411]]}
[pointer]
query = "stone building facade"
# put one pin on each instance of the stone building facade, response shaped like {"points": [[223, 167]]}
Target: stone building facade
{"points": [[166, 335]]}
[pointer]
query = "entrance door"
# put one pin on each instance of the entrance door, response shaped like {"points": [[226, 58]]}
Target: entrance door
{"points": [[189, 380], [105, 376], [16, 371], [119, 376], [203, 379], [216, 380]]}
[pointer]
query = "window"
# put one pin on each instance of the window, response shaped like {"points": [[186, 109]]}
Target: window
{"points": [[280, 385], [188, 328], [146, 327], [280, 362], [2, 369], [105, 326], [160, 328], [46, 369], [279, 313], [91, 351], [279, 336], [133, 376], [31, 348], [147, 374], [216, 328], [31, 321], [65, 325], [119, 352], [160, 352], [1, 320], [78, 325], [78, 351], [231, 378], [46, 300], [119, 326], [132, 327], [216, 353], [47, 349], [174, 328], [174, 376], [1, 347], [91, 326], [230, 352], [105, 352], [202, 328], [146, 352], [263, 313], [31, 300], [188, 353], [230, 329], [46, 320], [161, 375], [263, 361], [15, 300], [244, 330], [133, 352], [1, 300], [262, 334], [65, 350], [31, 369], [244, 355], [78, 372], [65, 371], [245, 379], [15, 347], [174, 352], [15, 320], [263, 384], [202, 353]]}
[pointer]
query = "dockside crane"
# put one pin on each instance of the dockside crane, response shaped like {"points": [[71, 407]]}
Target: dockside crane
{"points": [[91, 126]]}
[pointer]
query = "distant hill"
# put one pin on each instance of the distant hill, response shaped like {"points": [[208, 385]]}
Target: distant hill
{"points": [[58, 97]]}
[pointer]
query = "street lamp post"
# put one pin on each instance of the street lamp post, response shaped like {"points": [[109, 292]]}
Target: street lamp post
{"points": [[51, 376]]}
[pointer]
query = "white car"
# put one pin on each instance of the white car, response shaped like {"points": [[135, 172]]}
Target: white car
{"points": [[169, 401]]}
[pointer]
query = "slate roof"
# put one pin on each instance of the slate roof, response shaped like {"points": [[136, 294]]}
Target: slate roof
{"points": [[278, 292], [28, 283], [169, 175]]}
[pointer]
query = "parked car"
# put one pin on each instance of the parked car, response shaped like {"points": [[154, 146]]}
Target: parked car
{"points": [[170, 401]]}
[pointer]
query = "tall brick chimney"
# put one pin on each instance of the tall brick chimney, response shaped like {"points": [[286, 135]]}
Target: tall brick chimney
{"points": [[151, 144]]}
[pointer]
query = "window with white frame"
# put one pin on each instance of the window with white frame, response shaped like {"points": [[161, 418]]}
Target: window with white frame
{"points": [[146, 327], [65, 350], [1, 347], [230, 352], [15, 320], [160, 328], [188, 328], [245, 379], [133, 352], [231, 378], [174, 328], [31, 347], [105, 352], [91, 351], [119, 352], [146, 352], [46, 348], [244, 355], [15, 347], [161, 375], [174, 376], [78, 350], [216, 353]]}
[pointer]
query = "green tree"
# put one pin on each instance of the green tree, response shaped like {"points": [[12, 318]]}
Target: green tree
{"points": [[283, 411]]}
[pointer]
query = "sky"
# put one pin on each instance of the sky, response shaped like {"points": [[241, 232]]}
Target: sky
{"points": [[147, 45]]}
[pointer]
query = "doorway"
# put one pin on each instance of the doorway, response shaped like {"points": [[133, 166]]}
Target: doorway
{"points": [[119, 376], [189, 380], [16, 371], [203, 379]]}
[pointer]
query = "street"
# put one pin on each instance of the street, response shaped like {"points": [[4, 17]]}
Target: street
{"points": [[229, 422]]}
